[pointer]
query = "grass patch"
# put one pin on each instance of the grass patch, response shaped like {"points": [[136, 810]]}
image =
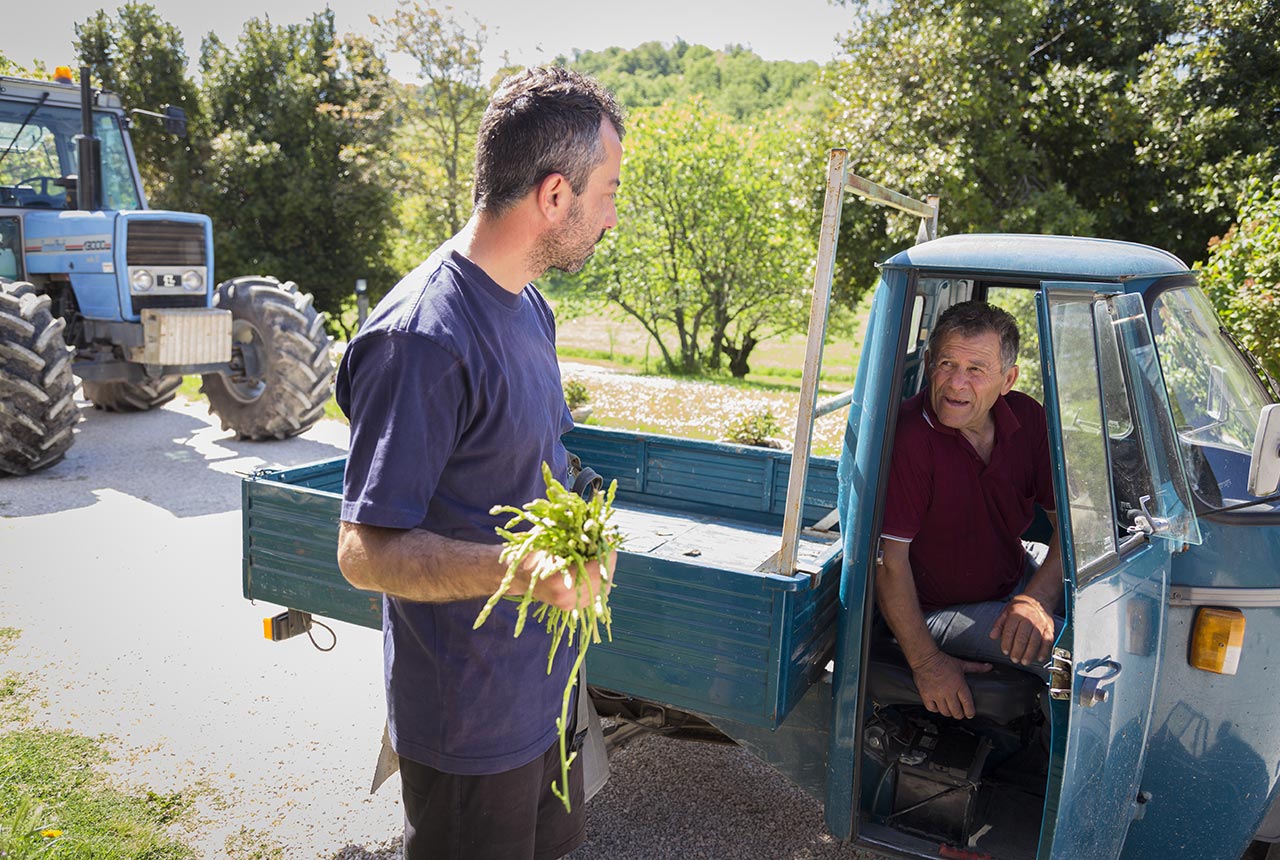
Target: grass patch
{"points": [[56, 802]]}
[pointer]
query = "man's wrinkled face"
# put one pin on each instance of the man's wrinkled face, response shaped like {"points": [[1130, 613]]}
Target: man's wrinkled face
{"points": [[591, 214], [966, 377]]}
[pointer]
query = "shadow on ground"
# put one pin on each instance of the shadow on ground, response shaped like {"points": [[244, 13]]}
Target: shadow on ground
{"points": [[177, 458]]}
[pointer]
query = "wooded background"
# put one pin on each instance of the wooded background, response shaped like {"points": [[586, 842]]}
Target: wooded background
{"points": [[1154, 121]]}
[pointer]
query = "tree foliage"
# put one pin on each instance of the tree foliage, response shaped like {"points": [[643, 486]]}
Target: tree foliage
{"points": [[296, 180], [141, 58], [8, 66], [734, 81], [713, 251], [439, 119], [1242, 275], [1131, 119]]}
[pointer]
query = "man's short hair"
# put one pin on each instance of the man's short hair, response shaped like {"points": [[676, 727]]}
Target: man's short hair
{"points": [[540, 121], [975, 318]]}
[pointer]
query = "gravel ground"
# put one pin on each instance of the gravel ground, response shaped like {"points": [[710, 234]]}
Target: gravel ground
{"points": [[121, 567]]}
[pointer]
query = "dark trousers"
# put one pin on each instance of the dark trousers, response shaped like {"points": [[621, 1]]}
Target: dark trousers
{"points": [[502, 816]]}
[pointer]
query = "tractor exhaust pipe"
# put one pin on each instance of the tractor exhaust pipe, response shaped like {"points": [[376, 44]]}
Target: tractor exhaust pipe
{"points": [[89, 149]]}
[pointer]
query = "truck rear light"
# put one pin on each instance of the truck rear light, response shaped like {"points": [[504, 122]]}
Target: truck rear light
{"points": [[1217, 640]]}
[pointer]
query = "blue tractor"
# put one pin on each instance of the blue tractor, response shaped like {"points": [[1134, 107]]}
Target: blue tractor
{"points": [[95, 285]]}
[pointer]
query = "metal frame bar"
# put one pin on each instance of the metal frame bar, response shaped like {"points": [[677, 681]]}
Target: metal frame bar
{"points": [[838, 181]]}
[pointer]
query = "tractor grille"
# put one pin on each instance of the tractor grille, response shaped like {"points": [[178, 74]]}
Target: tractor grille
{"points": [[162, 301], [165, 243]]}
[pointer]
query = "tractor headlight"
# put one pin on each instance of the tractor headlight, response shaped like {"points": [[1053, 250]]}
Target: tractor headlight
{"points": [[143, 280], [192, 280]]}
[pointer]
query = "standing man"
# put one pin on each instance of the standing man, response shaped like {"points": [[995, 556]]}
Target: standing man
{"points": [[958, 587], [455, 401]]}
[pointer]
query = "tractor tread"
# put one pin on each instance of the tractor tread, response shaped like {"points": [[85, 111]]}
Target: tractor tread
{"points": [[298, 377], [36, 382]]}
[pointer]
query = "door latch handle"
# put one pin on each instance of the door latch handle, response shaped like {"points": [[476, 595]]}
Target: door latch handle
{"points": [[1147, 522], [1095, 688]]}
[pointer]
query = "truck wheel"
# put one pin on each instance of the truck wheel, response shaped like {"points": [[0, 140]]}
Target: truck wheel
{"points": [[37, 389], [132, 396], [280, 355]]}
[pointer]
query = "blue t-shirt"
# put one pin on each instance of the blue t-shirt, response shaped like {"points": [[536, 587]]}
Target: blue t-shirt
{"points": [[455, 401]]}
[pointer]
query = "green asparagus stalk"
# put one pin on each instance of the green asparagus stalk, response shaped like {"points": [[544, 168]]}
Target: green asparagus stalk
{"points": [[573, 532]]}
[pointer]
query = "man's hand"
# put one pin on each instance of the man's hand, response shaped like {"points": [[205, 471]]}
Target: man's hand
{"points": [[559, 590], [1025, 630], [940, 680]]}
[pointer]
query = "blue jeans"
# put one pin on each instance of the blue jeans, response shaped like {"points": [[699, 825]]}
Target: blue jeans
{"points": [[964, 630]]}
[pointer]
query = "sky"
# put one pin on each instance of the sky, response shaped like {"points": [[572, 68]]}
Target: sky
{"points": [[530, 31]]}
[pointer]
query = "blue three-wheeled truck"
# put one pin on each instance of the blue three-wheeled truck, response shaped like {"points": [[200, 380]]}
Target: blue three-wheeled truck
{"points": [[744, 604]]}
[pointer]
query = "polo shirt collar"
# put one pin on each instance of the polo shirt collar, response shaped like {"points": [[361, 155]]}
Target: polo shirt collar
{"points": [[1007, 422]]}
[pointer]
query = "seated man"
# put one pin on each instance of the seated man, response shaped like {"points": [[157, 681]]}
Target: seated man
{"points": [[958, 587]]}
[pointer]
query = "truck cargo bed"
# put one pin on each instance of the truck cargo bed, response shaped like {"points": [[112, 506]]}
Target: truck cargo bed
{"points": [[696, 625]]}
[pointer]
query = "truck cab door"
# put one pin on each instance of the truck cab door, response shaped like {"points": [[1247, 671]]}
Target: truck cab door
{"points": [[1123, 509]]}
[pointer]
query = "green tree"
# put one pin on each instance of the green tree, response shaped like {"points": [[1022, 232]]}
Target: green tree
{"points": [[297, 180], [1242, 275], [713, 253], [140, 57], [734, 81], [436, 141], [37, 71], [1124, 118], [1209, 93], [935, 98]]}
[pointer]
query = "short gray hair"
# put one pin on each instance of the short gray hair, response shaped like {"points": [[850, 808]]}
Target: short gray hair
{"points": [[975, 318]]}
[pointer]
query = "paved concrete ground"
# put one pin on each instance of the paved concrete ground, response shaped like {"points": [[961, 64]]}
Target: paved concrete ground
{"points": [[121, 567]]}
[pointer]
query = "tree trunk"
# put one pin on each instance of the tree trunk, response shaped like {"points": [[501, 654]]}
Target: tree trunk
{"points": [[738, 356]]}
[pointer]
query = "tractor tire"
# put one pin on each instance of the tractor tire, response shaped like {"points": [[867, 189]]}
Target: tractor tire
{"points": [[280, 351], [37, 388], [132, 396]]}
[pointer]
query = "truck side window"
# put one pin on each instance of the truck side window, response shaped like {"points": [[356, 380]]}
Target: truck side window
{"points": [[1130, 474], [1093, 520]]}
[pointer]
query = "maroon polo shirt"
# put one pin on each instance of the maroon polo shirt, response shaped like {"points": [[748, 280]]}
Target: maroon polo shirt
{"points": [[965, 518]]}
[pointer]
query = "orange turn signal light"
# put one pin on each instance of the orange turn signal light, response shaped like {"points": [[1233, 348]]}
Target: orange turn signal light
{"points": [[1217, 640]]}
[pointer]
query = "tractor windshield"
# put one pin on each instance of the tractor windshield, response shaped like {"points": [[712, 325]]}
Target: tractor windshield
{"points": [[38, 151]]}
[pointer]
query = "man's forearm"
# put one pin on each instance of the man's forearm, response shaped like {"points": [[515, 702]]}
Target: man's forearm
{"points": [[899, 604], [1046, 583], [416, 564]]}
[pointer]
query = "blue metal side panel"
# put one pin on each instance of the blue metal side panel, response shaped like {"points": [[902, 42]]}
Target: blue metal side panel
{"points": [[82, 245], [733, 643], [861, 465], [689, 637], [727, 481], [1214, 753], [702, 477], [620, 456], [290, 545], [812, 626]]}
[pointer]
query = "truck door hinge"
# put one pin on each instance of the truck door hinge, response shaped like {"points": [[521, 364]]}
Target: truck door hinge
{"points": [[1060, 671]]}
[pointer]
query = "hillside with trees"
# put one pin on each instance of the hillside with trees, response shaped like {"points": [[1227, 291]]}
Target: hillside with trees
{"points": [[1147, 121]]}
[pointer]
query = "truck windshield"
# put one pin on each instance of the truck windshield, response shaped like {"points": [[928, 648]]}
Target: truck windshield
{"points": [[36, 155], [1214, 394]]}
